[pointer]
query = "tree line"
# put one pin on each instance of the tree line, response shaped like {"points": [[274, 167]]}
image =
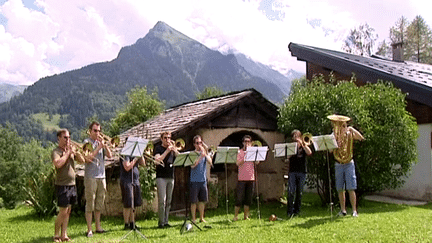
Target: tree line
{"points": [[415, 37]]}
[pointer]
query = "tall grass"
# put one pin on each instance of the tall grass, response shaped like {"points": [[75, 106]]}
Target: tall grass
{"points": [[377, 222]]}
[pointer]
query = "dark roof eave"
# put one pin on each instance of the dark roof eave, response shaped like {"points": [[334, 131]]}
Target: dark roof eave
{"points": [[416, 91]]}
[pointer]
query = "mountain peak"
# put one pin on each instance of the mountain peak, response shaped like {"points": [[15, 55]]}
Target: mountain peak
{"points": [[167, 33]]}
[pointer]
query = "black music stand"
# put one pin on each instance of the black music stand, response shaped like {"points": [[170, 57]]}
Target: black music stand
{"points": [[255, 154], [285, 150], [134, 147], [321, 143], [186, 159], [226, 155]]}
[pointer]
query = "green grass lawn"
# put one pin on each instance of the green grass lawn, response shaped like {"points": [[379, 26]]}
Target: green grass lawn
{"points": [[377, 222]]}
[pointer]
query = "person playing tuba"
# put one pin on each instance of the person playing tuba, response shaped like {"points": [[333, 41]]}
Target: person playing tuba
{"points": [[344, 167]]}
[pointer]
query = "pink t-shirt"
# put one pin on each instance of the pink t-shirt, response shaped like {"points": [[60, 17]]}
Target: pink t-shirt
{"points": [[246, 171]]}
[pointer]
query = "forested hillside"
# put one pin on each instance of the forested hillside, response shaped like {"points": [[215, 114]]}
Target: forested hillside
{"points": [[165, 59]]}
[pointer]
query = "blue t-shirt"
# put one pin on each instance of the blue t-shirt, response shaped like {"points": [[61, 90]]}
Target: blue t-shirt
{"points": [[96, 169], [199, 173]]}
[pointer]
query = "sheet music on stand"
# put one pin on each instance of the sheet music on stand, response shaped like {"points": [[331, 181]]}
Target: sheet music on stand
{"points": [[285, 149], [186, 158], [134, 147], [226, 155], [324, 142], [256, 153]]}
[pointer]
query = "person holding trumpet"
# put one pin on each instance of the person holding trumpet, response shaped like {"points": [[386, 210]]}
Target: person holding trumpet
{"points": [[94, 178], [164, 155], [63, 158], [296, 174], [198, 179], [130, 188]]}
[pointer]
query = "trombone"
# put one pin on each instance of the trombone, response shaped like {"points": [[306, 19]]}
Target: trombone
{"points": [[83, 149], [179, 143], [148, 153], [112, 142], [307, 138]]}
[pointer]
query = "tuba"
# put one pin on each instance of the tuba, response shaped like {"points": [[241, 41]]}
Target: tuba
{"points": [[344, 153]]}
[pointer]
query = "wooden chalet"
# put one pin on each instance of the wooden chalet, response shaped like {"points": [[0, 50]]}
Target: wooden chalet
{"points": [[221, 121], [415, 79]]}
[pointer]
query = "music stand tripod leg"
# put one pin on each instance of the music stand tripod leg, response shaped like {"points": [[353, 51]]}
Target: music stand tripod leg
{"points": [[183, 228]]}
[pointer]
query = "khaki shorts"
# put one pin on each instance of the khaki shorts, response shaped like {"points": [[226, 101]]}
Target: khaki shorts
{"points": [[95, 190]]}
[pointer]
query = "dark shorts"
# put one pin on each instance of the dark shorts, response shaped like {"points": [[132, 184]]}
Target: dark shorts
{"points": [[66, 195], [126, 190], [244, 193], [198, 192]]}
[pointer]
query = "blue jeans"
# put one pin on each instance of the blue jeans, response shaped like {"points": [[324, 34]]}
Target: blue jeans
{"points": [[295, 190]]}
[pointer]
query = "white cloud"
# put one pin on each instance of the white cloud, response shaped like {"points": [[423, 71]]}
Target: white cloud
{"points": [[67, 35]]}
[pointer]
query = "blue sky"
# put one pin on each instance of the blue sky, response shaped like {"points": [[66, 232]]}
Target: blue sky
{"points": [[39, 38]]}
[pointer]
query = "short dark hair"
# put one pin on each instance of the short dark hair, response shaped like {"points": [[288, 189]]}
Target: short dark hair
{"points": [[165, 133], [246, 137], [61, 132], [92, 124]]}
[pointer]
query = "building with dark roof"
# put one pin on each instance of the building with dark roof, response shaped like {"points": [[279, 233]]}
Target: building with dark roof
{"points": [[414, 79], [221, 121]]}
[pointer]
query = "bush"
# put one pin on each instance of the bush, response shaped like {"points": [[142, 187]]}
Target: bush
{"points": [[40, 193], [377, 111]]}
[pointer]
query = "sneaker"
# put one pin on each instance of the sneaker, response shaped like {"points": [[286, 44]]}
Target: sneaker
{"points": [[161, 226], [89, 234], [355, 214], [342, 214], [126, 227]]}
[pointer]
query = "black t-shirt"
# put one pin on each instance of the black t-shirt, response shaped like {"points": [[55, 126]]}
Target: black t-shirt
{"points": [[298, 161], [166, 171]]}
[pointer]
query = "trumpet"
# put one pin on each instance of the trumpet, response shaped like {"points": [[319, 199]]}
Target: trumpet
{"points": [[148, 153]]}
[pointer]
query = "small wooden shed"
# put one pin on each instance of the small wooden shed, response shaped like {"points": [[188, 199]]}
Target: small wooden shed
{"points": [[221, 121]]}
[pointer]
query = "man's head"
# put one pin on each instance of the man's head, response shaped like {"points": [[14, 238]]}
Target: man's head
{"points": [[63, 138], [197, 140], [165, 138], [94, 130]]}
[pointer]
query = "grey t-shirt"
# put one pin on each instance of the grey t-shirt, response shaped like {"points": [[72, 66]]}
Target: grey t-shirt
{"points": [[96, 169]]}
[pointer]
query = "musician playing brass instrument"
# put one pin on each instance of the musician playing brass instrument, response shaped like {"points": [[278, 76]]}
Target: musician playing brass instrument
{"points": [[164, 158], [297, 174], [94, 178], [63, 158], [344, 166]]}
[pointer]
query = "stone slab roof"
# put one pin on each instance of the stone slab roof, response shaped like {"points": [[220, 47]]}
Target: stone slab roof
{"points": [[412, 78]]}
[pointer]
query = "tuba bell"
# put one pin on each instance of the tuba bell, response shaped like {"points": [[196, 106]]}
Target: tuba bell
{"points": [[344, 152]]}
